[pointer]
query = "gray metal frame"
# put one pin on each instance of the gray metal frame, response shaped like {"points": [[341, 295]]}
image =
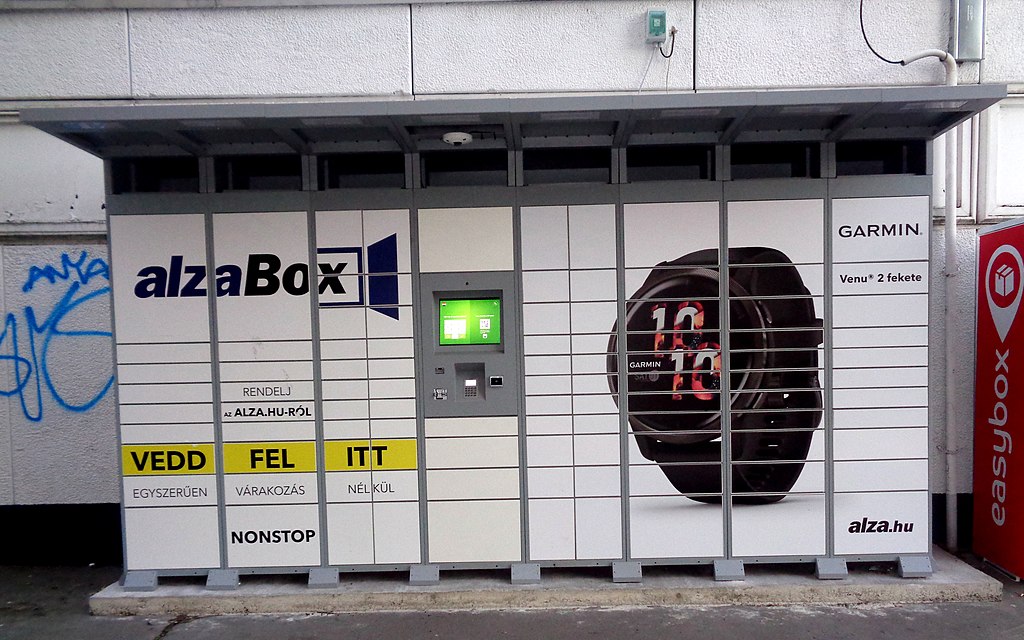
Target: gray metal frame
{"points": [[503, 359]]}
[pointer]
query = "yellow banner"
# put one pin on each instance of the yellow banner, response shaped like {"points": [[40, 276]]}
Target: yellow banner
{"points": [[361, 455], [269, 457], [167, 459]]}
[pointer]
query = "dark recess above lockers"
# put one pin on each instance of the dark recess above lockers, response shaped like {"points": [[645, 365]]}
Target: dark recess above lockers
{"points": [[563, 166], [155, 174], [775, 160], [258, 173], [464, 167], [882, 157], [360, 170], [670, 162]]}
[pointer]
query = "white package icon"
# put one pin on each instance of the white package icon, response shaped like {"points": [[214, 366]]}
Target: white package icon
{"points": [[1004, 280]]}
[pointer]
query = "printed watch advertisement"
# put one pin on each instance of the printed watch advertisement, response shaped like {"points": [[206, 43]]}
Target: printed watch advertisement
{"points": [[676, 348], [998, 505]]}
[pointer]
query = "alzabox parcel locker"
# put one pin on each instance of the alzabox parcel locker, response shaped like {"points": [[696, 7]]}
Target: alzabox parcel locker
{"points": [[621, 331]]}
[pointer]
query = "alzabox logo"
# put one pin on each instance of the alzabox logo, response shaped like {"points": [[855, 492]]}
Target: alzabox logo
{"points": [[341, 279], [1003, 289]]}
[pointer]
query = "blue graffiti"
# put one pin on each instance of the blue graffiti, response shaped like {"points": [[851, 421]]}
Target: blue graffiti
{"points": [[28, 372]]}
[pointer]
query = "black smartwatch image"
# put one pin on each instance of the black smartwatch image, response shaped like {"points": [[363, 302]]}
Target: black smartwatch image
{"points": [[673, 381]]}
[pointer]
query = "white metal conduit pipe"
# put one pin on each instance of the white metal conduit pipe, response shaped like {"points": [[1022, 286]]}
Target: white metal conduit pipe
{"points": [[950, 271]]}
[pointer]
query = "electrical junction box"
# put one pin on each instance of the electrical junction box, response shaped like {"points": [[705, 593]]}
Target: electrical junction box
{"points": [[657, 20], [969, 30]]}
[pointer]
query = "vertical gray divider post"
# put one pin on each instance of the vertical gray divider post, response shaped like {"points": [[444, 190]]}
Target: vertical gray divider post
{"points": [[525, 572], [727, 568], [829, 567], [628, 570], [422, 573], [322, 577], [223, 578]]}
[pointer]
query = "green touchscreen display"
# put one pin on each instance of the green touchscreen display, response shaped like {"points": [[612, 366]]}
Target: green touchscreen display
{"points": [[473, 321]]}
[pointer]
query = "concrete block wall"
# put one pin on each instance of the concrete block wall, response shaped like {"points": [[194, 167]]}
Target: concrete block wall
{"points": [[51, 193]]}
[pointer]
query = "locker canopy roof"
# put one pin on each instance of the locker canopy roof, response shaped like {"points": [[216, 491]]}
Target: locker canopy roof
{"points": [[347, 126]]}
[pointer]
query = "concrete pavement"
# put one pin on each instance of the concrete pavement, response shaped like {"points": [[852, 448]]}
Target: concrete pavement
{"points": [[952, 581], [52, 603]]}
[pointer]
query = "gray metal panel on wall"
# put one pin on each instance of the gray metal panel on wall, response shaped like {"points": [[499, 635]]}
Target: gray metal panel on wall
{"points": [[440, 363]]}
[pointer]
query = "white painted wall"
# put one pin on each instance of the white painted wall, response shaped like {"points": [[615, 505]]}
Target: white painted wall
{"points": [[413, 50], [46, 180], [346, 51], [74, 54], [517, 47], [472, 47], [778, 43], [53, 449]]}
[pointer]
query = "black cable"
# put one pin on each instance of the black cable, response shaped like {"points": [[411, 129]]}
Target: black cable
{"points": [[868, 42], [672, 49]]}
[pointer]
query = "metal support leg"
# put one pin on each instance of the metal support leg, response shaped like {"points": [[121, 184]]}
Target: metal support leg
{"points": [[424, 574], [222, 580], [140, 581], [731, 569], [830, 569], [525, 573], [323, 578], [627, 572]]}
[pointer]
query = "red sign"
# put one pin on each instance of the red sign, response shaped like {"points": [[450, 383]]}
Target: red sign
{"points": [[999, 404]]}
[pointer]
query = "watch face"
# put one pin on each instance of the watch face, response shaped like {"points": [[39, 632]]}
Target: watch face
{"points": [[674, 352]]}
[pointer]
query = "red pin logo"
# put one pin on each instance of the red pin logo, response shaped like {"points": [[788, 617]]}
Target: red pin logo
{"points": [[1003, 287]]}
